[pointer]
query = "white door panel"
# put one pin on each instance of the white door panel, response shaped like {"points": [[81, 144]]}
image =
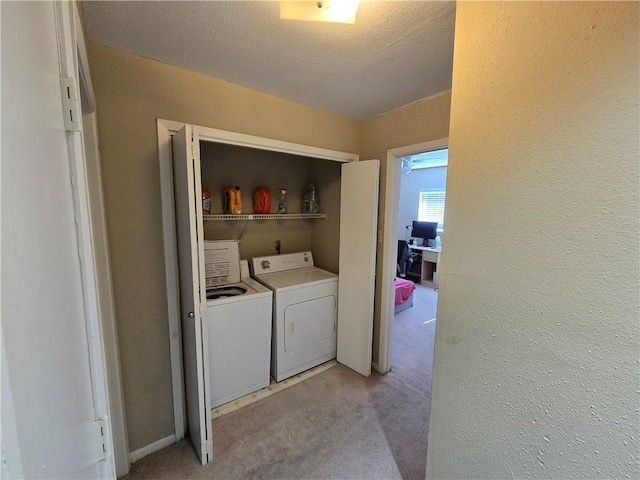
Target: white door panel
{"points": [[358, 236], [189, 227], [47, 305]]}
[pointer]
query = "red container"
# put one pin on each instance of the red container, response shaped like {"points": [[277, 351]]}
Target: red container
{"points": [[262, 200], [206, 201]]}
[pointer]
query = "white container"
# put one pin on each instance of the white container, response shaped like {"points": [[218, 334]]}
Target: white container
{"points": [[221, 262], [311, 201]]}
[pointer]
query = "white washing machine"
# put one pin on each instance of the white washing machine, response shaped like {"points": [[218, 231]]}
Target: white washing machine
{"points": [[305, 311], [239, 324]]}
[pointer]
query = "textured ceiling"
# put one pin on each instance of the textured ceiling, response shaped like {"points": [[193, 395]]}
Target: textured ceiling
{"points": [[396, 53]]}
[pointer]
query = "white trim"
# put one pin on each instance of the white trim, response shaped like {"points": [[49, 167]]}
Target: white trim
{"points": [[151, 448], [389, 246], [83, 64], [166, 129], [69, 38], [107, 304], [251, 141], [375, 366]]}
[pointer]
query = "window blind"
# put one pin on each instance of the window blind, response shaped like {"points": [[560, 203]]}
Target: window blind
{"points": [[431, 206]]}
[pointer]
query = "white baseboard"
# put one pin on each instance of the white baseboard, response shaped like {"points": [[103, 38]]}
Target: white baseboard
{"points": [[374, 365], [151, 448]]}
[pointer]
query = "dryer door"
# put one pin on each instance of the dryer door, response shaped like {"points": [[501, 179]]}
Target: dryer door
{"points": [[358, 220]]}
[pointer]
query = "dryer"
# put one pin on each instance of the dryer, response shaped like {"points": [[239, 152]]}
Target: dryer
{"points": [[305, 311]]}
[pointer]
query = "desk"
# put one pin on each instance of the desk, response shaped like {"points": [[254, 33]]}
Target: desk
{"points": [[430, 265]]}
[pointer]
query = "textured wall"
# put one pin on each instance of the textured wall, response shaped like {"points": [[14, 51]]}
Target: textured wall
{"points": [[416, 123], [132, 92], [537, 343]]}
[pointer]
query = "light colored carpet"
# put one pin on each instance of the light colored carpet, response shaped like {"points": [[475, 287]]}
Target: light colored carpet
{"points": [[336, 424]]}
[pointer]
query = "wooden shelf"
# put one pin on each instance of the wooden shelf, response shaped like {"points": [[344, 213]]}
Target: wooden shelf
{"points": [[269, 216]]}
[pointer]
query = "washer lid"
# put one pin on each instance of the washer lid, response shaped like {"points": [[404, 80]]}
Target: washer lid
{"points": [[297, 277], [253, 290]]}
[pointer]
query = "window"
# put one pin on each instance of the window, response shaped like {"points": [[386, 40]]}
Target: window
{"points": [[431, 207]]}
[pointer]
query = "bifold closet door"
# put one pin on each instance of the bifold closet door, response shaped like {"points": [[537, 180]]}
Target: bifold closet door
{"points": [[189, 230], [358, 239]]}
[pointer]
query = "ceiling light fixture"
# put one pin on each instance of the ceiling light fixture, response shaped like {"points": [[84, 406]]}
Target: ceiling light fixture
{"points": [[329, 11]]}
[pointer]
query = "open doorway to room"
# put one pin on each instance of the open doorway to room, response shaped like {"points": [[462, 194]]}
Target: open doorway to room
{"points": [[420, 198], [412, 195], [420, 223]]}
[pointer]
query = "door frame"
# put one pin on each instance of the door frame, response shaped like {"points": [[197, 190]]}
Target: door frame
{"points": [[73, 63], [390, 247], [166, 129]]}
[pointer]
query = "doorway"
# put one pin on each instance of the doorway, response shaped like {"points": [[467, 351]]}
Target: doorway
{"points": [[390, 234], [420, 225], [413, 356]]}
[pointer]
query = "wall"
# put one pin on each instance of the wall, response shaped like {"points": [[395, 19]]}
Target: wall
{"points": [[419, 122], [536, 350], [410, 186], [132, 92]]}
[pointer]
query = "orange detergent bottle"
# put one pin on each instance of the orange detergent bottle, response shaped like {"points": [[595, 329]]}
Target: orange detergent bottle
{"points": [[262, 200], [232, 200]]}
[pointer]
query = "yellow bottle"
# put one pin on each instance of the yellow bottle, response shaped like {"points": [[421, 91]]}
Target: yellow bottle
{"points": [[232, 200]]}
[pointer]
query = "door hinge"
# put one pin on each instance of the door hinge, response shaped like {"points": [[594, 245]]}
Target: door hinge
{"points": [[101, 428], [71, 110]]}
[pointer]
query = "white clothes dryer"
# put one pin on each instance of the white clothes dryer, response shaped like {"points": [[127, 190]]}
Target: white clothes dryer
{"points": [[305, 311], [239, 337]]}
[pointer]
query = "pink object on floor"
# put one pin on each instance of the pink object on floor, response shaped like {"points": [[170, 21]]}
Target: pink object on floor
{"points": [[404, 289]]}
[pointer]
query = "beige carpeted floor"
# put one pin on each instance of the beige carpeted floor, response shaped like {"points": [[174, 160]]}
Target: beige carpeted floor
{"points": [[336, 424]]}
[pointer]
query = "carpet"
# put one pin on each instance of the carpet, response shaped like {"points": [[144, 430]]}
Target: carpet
{"points": [[334, 425]]}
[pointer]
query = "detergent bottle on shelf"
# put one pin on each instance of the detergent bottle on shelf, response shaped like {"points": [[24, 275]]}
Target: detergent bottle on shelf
{"points": [[282, 201], [232, 200], [206, 201], [262, 200]]}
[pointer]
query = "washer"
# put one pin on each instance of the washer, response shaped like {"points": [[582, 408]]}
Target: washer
{"points": [[239, 336], [305, 310]]}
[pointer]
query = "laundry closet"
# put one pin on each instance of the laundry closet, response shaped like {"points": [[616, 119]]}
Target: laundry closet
{"points": [[341, 239], [223, 165]]}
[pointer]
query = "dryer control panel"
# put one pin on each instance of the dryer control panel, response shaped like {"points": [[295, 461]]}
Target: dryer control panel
{"points": [[281, 263]]}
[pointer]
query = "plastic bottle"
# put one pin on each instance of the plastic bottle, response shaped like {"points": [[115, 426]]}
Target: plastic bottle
{"points": [[311, 203], [262, 200], [282, 201], [232, 200], [206, 201], [438, 242]]}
